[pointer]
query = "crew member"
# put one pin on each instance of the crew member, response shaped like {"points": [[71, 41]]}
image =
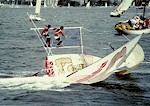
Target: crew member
{"points": [[57, 33], [46, 35]]}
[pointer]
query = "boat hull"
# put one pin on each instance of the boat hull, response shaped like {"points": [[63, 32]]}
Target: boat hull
{"points": [[35, 17], [123, 27], [88, 69], [137, 32], [114, 14], [134, 32]]}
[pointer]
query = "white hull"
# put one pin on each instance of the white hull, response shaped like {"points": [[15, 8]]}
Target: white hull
{"points": [[137, 32], [122, 28], [35, 17], [115, 14]]}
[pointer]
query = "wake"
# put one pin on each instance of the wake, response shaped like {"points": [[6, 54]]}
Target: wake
{"points": [[32, 83]]}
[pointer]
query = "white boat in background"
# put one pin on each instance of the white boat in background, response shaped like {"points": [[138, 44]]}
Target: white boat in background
{"points": [[45, 5], [31, 5], [1, 4], [84, 68], [123, 7], [88, 5], [56, 3], [68, 5], [124, 27], [36, 16], [106, 4]]}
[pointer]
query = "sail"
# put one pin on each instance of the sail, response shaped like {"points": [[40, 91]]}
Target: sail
{"points": [[106, 4], [38, 6], [31, 3], [88, 4], [106, 66], [124, 5], [45, 3], [56, 3]]}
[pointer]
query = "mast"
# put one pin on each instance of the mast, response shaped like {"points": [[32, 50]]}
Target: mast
{"points": [[144, 4]]}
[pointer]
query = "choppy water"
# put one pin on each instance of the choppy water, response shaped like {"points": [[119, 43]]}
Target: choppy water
{"points": [[21, 54]]}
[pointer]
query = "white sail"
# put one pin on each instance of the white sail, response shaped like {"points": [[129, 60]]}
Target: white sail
{"points": [[106, 66], [56, 3], [88, 5], [68, 5], [106, 4], [38, 6], [31, 3], [124, 5], [45, 5]]}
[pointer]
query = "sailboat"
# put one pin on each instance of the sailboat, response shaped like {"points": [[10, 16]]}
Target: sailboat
{"points": [[36, 16], [123, 7], [31, 5], [74, 66], [141, 25], [45, 5], [88, 5]]}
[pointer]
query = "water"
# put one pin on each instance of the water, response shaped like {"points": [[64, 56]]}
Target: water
{"points": [[21, 54]]}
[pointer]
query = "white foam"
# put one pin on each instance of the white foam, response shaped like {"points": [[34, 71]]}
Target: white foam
{"points": [[32, 83]]}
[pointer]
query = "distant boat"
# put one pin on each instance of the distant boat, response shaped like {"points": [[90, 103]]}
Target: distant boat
{"points": [[124, 27], [45, 5], [36, 16], [56, 3], [68, 5], [123, 7], [1, 5], [31, 5], [106, 4], [88, 5], [87, 69]]}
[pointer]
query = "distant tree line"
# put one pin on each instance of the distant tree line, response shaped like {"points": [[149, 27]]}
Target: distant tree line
{"points": [[73, 2]]}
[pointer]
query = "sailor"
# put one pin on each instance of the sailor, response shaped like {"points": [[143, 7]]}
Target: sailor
{"points": [[57, 33], [135, 22], [46, 35], [147, 22], [144, 22]]}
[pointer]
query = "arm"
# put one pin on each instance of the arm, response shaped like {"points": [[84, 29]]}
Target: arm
{"points": [[43, 31], [62, 34]]}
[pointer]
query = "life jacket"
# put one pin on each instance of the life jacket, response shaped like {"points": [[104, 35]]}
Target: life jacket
{"points": [[57, 32], [45, 31], [147, 21], [123, 27]]}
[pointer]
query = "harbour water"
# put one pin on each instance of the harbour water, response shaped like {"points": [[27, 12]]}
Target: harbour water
{"points": [[21, 55]]}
